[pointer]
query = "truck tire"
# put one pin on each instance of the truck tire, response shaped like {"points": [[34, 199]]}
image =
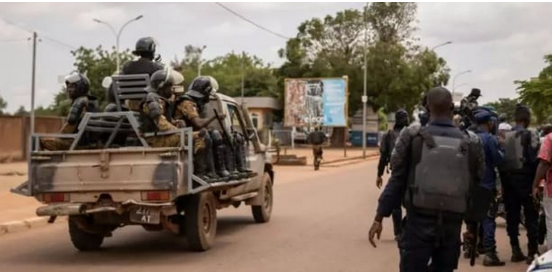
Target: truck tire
{"points": [[83, 241], [262, 213], [200, 221]]}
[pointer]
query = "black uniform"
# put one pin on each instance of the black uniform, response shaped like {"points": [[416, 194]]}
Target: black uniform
{"points": [[426, 236], [141, 66]]}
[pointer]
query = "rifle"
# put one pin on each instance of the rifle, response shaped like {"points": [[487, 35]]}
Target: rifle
{"points": [[227, 137]]}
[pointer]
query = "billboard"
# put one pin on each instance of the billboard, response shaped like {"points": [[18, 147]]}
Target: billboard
{"points": [[316, 101]]}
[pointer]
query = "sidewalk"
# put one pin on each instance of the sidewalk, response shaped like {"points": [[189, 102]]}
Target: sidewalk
{"points": [[332, 155]]}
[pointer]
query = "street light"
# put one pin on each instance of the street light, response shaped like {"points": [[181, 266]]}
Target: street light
{"points": [[364, 97], [117, 34], [200, 59], [442, 44], [455, 78], [462, 84]]}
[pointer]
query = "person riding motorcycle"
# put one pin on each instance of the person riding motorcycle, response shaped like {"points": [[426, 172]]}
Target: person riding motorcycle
{"points": [[317, 138], [77, 88]]}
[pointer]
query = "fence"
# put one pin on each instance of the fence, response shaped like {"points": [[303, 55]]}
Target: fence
{"points": [[15, 131]]}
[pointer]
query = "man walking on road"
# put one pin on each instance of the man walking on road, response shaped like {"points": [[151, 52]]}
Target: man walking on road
{"points": [[386, 148], [422, 161]]}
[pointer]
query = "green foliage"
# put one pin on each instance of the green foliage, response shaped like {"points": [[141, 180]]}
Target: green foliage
{"points": [[21, 111], [97, 64], [536, 93], [505, 106], [259, 79], [3, 105], [398, 70], [382, 118]]}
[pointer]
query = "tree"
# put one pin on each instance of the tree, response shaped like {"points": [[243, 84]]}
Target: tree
{"points": [[21, 111], [536, 93], [399, 71], [505, 106], [259, 79], [97, 64], [3, 105]]}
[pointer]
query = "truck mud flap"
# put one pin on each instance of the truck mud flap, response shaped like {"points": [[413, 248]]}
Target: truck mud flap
{"points": [[22, 189]]}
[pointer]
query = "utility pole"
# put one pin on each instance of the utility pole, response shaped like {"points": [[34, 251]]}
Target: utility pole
{"points": [[242, 78], [33, 83], [200, 59], [364, 97]]}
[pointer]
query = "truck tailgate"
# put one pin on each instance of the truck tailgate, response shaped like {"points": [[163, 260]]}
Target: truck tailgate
{"points": [[125, 169]]}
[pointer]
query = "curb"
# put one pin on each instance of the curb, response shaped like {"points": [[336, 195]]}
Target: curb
{"points": [[350, 161], [26, 224]]}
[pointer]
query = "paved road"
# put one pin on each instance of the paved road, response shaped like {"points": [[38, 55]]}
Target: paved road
{"points": [[316, 226]]}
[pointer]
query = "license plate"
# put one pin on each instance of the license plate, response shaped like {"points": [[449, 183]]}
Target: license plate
{"points": [[145, 215]]}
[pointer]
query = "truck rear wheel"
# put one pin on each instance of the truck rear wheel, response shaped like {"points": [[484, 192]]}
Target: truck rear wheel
{"points": [[262, 213], [82, 240], [200, 221]]}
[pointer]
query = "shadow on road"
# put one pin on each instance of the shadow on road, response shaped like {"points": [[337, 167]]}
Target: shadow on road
{"points": [[131, 246]]}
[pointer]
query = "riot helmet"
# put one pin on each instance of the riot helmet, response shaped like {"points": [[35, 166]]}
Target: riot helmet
{"points": [[401, 117], [202, 87], [77, 85], [164, 82], [145, 47]]}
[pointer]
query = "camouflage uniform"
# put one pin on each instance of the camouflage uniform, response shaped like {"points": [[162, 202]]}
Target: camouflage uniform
{"points": [[158, 124], [78, 109], [186, 110]]}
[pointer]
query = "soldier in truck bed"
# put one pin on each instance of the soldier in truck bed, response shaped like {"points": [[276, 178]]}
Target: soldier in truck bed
{"points": [[155, 109], [77, 87], [187, 108], [145, 49]]}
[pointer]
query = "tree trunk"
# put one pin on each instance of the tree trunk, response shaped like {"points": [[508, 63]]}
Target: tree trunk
{"points": [[338, 137]]}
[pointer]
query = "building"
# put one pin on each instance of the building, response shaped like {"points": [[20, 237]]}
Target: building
{"points": [[261, 110]]}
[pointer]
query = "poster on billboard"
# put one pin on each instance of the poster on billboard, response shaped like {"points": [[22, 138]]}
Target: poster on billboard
{"points": [[316, 101]]}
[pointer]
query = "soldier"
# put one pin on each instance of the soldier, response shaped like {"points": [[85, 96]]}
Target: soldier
{"points": [[423, 160], [386, 148], [155, 109], [485, 129], [521, 147], [188, 108], [77, 87]]}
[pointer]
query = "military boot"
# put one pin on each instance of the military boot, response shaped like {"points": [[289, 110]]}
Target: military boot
{"points": [[219, 160], [211, 171], [491, 258], [241, 162], [517, 254], [200, 167], [230, 163]]}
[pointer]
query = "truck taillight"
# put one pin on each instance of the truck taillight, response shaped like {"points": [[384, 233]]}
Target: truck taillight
{"points": [[55, 197], [155, 195]]}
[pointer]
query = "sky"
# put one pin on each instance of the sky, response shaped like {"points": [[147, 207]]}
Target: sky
{"points": [[499, 42]]}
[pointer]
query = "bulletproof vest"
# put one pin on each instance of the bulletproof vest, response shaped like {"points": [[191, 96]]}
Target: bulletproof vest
{"points": [[393, 135], [440, 180], [146, 120], [141, 66], [520, 149]]}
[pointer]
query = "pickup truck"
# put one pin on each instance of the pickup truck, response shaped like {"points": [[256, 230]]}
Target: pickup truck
{"points": [[102, 188]]}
